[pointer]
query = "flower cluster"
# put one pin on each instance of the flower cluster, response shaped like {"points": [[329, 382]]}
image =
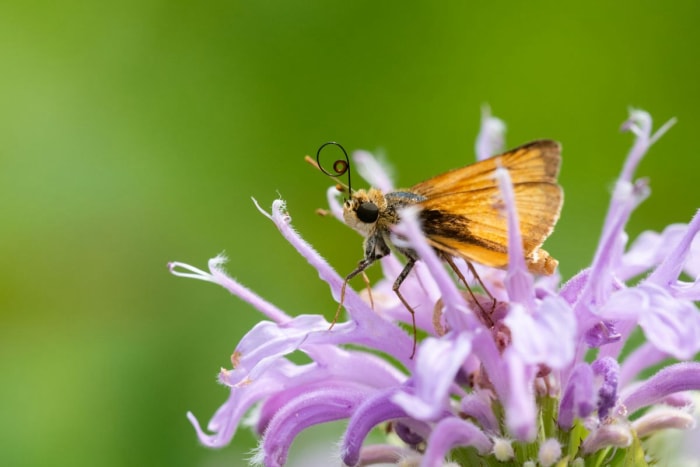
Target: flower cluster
{"points": [[544, 381]]}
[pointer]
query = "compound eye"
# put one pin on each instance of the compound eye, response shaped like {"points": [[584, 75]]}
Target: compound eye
{"points": [[368, 212]]}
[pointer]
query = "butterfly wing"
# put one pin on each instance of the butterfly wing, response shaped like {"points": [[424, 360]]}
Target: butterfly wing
{"points": [[463, 213]]}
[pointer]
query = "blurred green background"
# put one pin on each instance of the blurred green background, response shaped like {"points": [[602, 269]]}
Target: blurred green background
{"points": [[134, 133]]}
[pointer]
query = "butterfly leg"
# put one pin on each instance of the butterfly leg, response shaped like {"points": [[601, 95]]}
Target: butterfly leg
{"points": [[399, 280], [375, 248], [483, 286], [361, 266], [450, 261]]}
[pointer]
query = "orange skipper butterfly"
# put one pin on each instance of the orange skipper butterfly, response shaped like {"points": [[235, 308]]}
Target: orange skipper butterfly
{"points": [[461, 213]]}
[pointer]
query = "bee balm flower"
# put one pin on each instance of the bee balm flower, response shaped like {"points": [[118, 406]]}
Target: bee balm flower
{"points": [[487, 385]]}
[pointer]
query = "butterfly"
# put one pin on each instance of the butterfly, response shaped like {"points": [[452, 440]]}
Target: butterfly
{"points": [[461, 213]]}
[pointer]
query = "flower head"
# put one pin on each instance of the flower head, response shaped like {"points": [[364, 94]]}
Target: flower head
{"points": [[513, 383]]}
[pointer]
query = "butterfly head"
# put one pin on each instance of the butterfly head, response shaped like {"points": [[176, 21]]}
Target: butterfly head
{"points": [[362, 210]]}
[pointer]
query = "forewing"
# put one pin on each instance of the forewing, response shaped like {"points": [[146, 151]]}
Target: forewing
{"points": [[537, 161], [464, 216]]}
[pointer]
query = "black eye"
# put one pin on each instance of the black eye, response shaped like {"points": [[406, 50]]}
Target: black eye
{"points": [[368, 212]]}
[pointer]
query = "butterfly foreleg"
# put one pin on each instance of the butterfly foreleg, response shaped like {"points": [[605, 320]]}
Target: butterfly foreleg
{"points": [[375, 248], [361, 266]]}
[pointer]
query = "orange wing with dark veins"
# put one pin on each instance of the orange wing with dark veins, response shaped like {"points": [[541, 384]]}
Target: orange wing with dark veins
{"points": [[463, 213]]}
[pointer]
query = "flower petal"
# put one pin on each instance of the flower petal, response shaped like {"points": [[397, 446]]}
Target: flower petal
{"points": [[608, 371], [452, 432], [519, 403], [436, 367], [490, 140], [662, 418], [578, 399], [335, 206], [477, 405], [226, 419], [648, 250], [377, 174], [308, 409], [384, 454], [546, 336], [668, 271], [519, 282], [678, 377], [218, 276], [671, 324], [376, 409], [641, 358], [615, 435]]}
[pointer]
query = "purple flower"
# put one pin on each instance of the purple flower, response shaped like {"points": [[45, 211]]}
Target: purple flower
{"points": [[515, 385]]}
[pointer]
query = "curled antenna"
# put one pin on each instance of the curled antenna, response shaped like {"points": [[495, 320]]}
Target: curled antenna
{"points": [[340, 166]]}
